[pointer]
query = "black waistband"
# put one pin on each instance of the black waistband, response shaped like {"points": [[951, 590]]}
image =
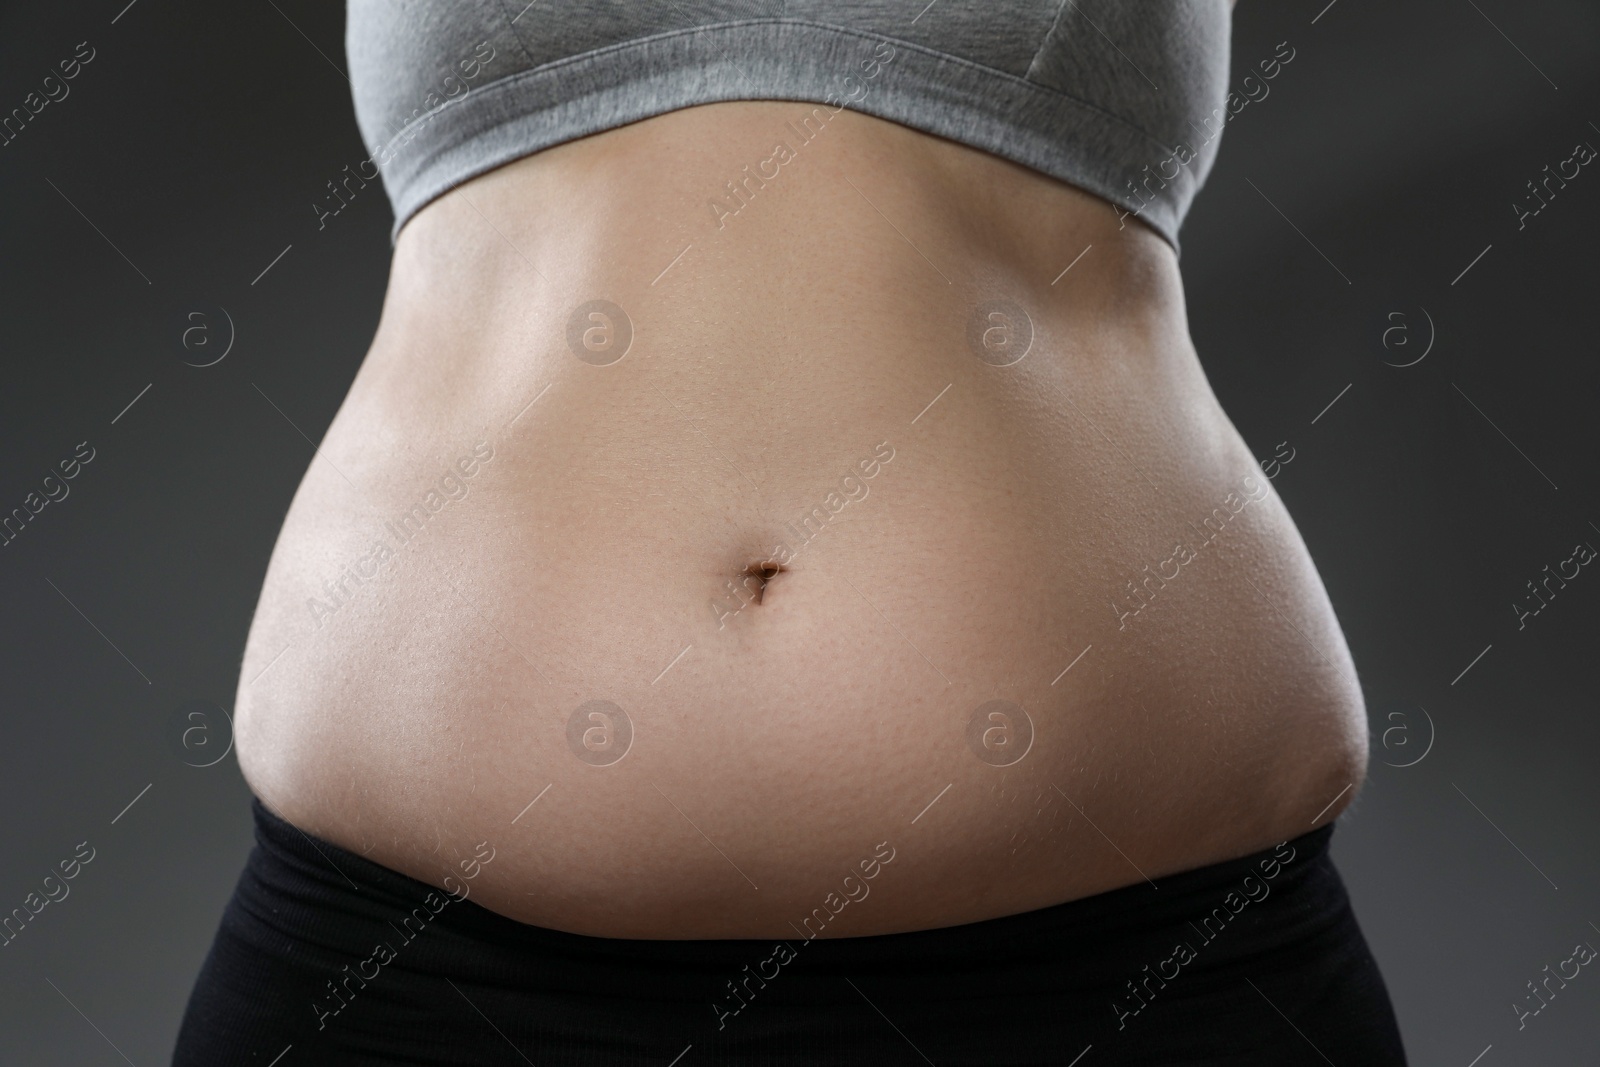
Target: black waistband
{"points": [[305, 891], [1253, 961]]}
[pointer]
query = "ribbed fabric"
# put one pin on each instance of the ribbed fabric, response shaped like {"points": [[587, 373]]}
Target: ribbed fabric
{"points": [[1123, 100], [1278, 973]]}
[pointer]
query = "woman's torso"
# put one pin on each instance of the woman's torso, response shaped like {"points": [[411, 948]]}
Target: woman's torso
{"points": [[817, 379]]}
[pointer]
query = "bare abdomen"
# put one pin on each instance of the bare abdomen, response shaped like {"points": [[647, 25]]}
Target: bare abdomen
{"points": [[804, 574]]}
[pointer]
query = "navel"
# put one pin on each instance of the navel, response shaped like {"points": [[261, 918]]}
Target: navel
{"points": [[759, 575]]}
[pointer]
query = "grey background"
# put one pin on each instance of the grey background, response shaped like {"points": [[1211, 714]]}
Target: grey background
{"points": [[195, 143]]}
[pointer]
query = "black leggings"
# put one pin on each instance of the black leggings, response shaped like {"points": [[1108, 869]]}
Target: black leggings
{"points": [[327, 958]]}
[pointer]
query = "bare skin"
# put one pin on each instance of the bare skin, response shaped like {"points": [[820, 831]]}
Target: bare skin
{"points": [[799, 690]]}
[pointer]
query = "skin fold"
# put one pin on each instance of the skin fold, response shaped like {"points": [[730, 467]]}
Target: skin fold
{"points": [[690, 532]]}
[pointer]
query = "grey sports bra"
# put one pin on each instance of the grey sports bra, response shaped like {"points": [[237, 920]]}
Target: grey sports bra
{"points": [[1122, 98]]}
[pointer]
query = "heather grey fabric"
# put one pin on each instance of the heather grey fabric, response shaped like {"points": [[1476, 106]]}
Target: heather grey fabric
{"points": [[1122, 98]]}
